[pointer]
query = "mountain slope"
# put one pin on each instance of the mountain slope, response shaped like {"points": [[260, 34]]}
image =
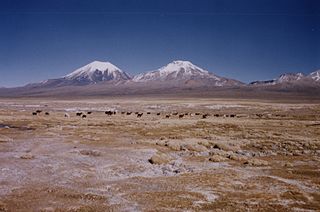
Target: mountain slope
{"points": [[290, 77], [92, 73], [290, 82], [97, 72], [283, 78], [183, 72]]}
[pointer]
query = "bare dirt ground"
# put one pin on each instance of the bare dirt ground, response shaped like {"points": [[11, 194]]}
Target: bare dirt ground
{"points": [[265, 158]]}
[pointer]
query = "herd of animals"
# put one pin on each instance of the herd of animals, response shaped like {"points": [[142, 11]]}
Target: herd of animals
{"points": [[140, 114]]}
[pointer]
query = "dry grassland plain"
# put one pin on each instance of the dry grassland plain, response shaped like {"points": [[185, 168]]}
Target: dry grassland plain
{"points": [[180, 155]]}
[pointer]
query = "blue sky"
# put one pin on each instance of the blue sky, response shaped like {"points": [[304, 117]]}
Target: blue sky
{"points": [[247, 40]]}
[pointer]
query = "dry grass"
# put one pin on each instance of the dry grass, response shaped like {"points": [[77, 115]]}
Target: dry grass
{"points": [[265, 159]]}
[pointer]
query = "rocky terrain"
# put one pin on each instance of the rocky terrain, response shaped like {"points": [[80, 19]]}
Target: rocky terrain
{"points": [[159, 154]]}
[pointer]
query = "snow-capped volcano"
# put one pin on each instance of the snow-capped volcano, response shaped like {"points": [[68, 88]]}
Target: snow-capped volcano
{"points": [[96, 72], [186, 72], [91, 73], [175, 70]]}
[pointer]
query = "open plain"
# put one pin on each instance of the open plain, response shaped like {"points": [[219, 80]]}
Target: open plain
{"points": [[158, 154]]}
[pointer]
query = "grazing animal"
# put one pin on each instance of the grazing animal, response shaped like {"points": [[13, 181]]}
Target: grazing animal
{"points": [[259, 115], [139, 115], [158, 114], [38, 111], [34, 113], [197, 114], [181, 116], [148, 113], [175, 113], [129, 113], [109, 113], [232, 115], [186, 114], [204, 116], [216, 115], [167, 116], [84, 116], [114, 112], [136, 113], [123, 112], [47, 113], [79, 113], [89, 112], [66, 115]]}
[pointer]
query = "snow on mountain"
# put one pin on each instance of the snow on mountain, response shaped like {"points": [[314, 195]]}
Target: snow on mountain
{"points": [[185, 68], [175, 74], [289, 77], [315, 75], [177, 71], [97, 71], [295, 78]]}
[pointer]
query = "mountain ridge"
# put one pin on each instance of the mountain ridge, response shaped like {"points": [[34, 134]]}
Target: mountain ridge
{"points": [[104, 78], [290, 78]]}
